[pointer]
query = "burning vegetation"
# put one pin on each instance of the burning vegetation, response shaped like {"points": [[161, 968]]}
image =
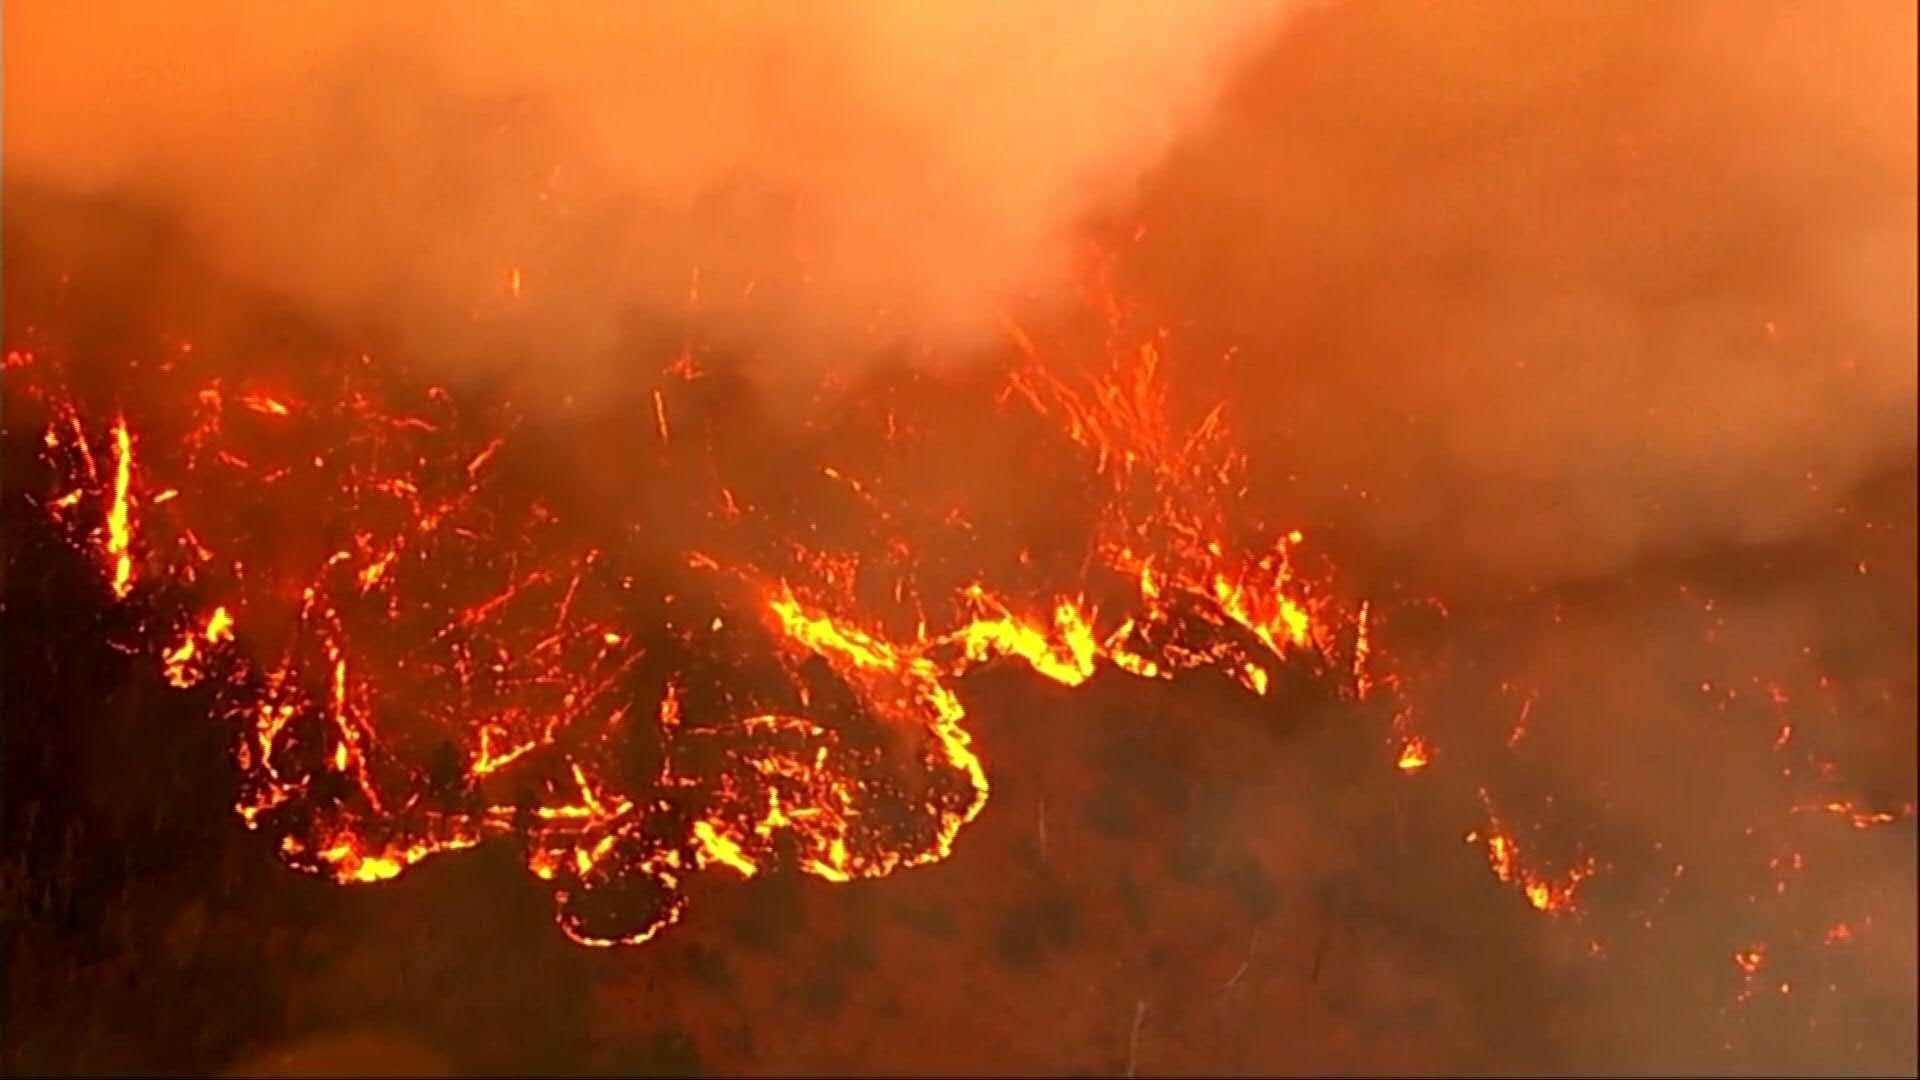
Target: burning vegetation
{"points": [[1466, 631], [418, 656], [418, 648]]}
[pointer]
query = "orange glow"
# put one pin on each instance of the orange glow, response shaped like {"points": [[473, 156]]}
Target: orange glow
{"points": [[447, 613], [718, 848], [266, 405], [181, 663], [1413, 756], [1857, 816], [1552, 895], [660, 417], [450, 668]]}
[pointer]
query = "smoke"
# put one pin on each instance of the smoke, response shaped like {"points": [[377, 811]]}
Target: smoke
{"points": [[799, 180], [1559, 288], [1535, 290]]}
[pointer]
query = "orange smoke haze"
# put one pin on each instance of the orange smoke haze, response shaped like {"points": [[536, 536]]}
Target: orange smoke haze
{"points": [[859, 175], [1537, 289], [1555, 285]]}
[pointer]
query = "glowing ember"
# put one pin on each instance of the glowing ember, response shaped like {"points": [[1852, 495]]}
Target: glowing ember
{"points": [[1413, 756], [1856, 816], [182, 663], [1552, 895]]}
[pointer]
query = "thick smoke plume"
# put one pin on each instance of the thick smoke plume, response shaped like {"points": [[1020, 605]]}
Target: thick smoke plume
{"points": [[1557, 286], [852, 176], [1599, 320]]}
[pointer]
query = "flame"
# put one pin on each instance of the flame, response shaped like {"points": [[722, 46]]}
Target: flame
{"points": [[119, 540], [1413, 756], [181, 663], [717, 847], [266, 405], [1544, 893]]}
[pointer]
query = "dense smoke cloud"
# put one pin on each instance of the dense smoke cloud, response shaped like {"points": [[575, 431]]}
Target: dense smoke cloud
{"points": [[851, 176], [1559, 285], [1600, 322]]}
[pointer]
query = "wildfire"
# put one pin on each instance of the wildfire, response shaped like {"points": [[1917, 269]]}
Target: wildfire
{"points": [[418, 656], [436, 667]]}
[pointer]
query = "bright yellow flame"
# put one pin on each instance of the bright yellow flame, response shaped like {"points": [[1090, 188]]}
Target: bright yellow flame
{"points": [[119, 511], [1413, 755], [716, 847]]}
